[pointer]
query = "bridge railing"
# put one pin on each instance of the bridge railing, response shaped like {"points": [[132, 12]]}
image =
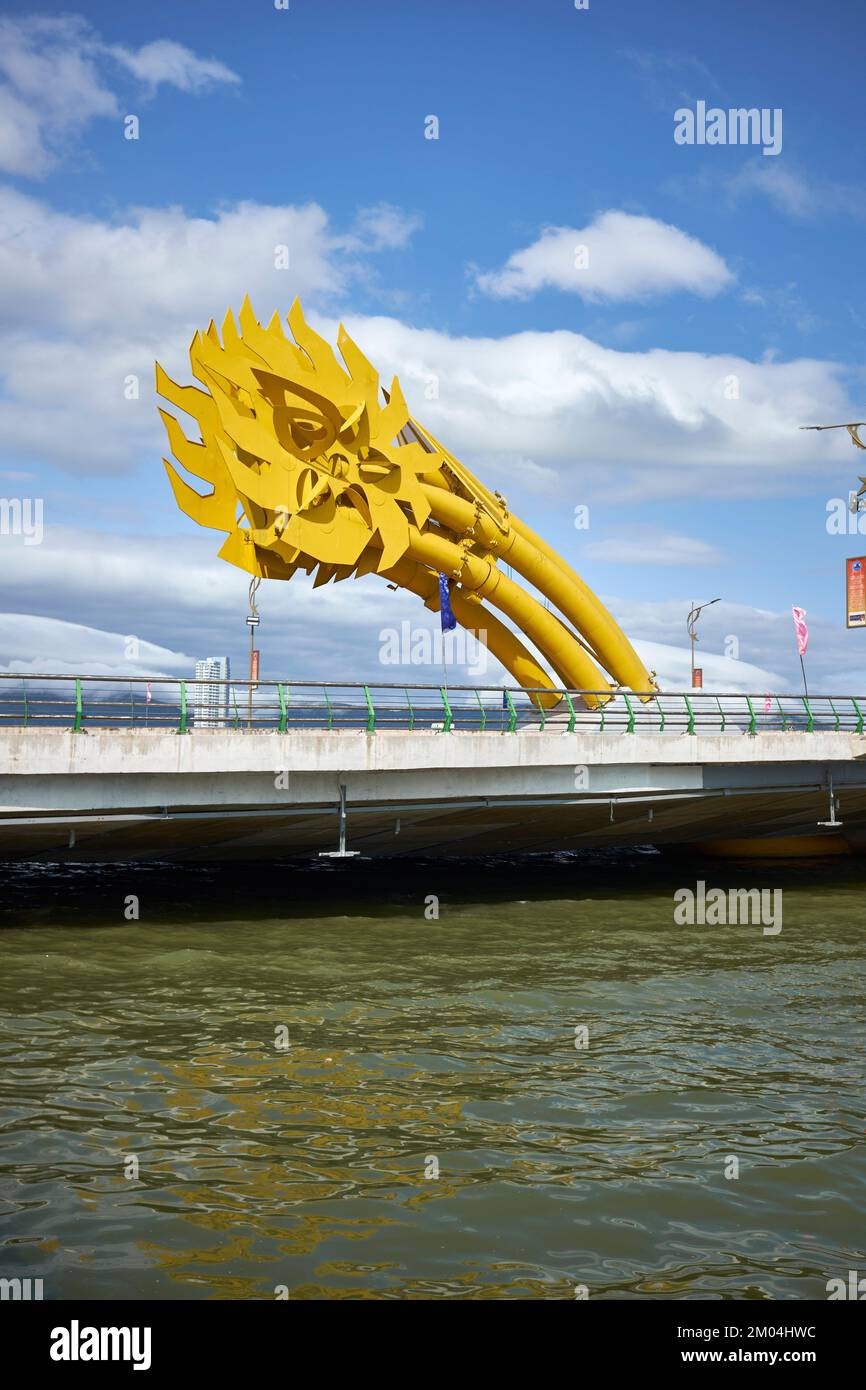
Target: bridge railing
{"points": [[190, 706]]}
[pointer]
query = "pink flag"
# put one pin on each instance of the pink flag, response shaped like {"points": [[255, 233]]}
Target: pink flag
{"points": [[801, 629], [147, 694], [768, 705]]}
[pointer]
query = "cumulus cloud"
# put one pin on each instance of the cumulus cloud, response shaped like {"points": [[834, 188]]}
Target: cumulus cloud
{"points": [[624, 424], [87, 305], [618, 256], [57, 75]]}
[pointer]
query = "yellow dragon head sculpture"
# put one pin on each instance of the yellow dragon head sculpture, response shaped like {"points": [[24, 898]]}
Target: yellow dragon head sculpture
{"points": [[312, 465], [300, 446]]}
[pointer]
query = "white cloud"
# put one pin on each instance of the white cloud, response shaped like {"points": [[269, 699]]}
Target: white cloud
{"points": [[672, 666], [795, 192], [787, 189], [87, 592], [30, 644], [617, 256], [629, 424], [739, 648], [653, 548], [51, 89], [166, 62], [53, 82], [88, 303], [156, 269]]}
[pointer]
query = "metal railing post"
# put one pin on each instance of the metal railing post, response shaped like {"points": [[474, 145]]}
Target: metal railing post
{"points": [[371, 713], [481, 710], [182, 727], [753, 723], [690, 727], [449, 717], [411, 711], [571, 714], [629, 728], [512, 712], [79, 707], [284, 713]]}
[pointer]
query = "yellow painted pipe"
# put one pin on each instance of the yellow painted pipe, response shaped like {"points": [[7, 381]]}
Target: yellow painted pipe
{"points": [[540, 564], [499, 639], [571, 663], [565, 590]]}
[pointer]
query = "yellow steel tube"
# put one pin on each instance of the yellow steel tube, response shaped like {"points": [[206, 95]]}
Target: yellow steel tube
{"points": [[568, 659], [500, 640], [535, 561]]}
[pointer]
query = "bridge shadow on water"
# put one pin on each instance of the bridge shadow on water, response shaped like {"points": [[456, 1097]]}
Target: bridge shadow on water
{"points": [[87, 894]]}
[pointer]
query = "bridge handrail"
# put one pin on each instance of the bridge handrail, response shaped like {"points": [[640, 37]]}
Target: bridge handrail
{"points": [[80, 702]]}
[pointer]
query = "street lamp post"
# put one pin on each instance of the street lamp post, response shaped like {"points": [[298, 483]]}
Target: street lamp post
{"points": [[252, 623], [694, 613]]}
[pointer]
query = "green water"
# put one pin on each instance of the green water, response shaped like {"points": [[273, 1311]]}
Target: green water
{"points": [[412, 1040]]}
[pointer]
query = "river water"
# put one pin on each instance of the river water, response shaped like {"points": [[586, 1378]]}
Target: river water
{"points": [[249, 1090]]}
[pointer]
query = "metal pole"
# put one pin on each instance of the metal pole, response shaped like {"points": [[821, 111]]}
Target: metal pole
{"points": [[250, 690]]}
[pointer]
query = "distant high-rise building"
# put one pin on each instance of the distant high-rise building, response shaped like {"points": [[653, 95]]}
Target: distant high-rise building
{"points": [[210, 702]]}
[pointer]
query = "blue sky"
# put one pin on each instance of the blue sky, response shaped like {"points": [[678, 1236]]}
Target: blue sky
{"points": [[603, 387]]}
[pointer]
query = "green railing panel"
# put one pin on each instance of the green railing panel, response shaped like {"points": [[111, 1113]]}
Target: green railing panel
{"points": [[859, 728], [541, 712], [722, 713], [449, 717], [481, 711], [835, 713], [79, 706], [629, 728], [571, 714], [412, 711], [284, 712], [810, 721], [24, 697], [330, 710], [690, 727], [371, 713], [512, 712], [237, 711], [782, 714], [753, 722], [660, 709], [182, 725]]}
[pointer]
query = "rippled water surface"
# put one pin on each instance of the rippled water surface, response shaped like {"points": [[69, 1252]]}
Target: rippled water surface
{"points": [[413, 1042]]}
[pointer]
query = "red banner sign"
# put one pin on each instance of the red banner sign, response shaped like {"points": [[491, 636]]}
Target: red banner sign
{"points": [[855, 591]]}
